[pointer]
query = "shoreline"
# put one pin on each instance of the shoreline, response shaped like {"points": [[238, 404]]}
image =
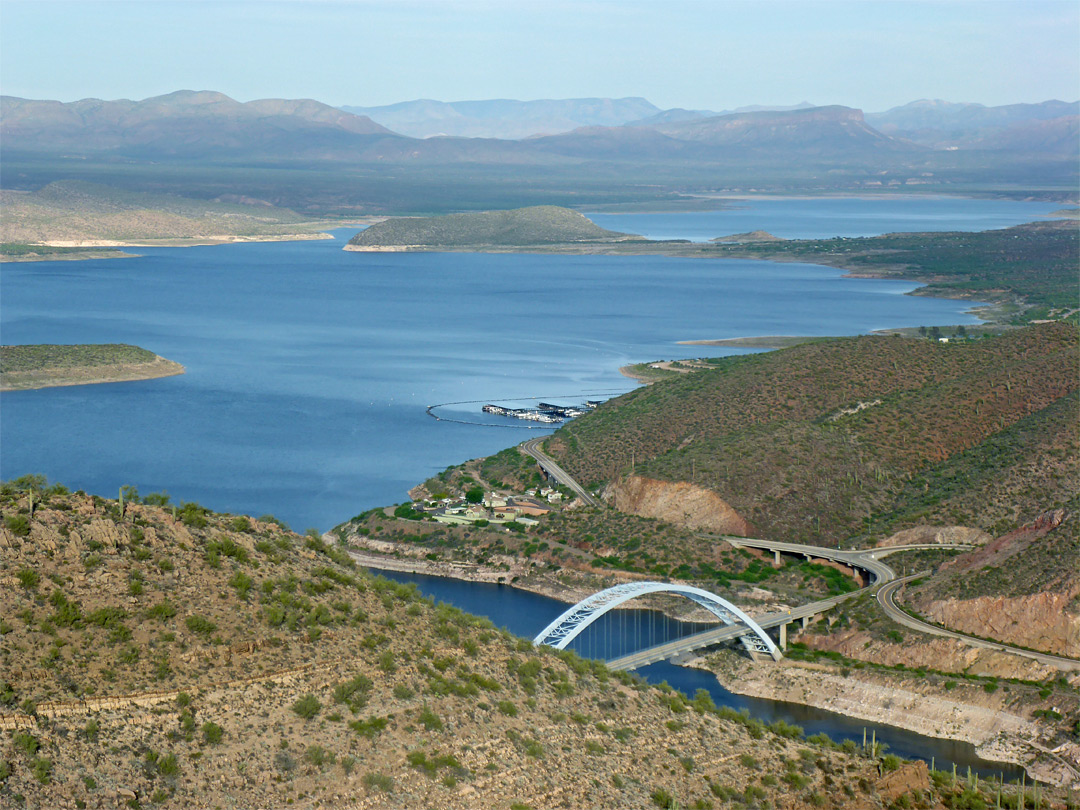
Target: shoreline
{"points": [[110, 248], [997, 734], [186, 241]]}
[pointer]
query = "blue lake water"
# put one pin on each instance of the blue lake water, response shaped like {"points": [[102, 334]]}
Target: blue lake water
{"points": [[800, 218], [309, 369]]}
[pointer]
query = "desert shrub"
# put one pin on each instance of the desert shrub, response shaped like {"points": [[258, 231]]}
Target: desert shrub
{"points": [[162, 611], [379, 780], [430, 720], [212, 733], [199, 624], [353, 693], [369, 728], [28, 578], [507, 707], [26, 742], [307, 707]]}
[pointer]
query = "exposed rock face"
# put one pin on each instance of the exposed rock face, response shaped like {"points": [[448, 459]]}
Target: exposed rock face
{"points": [[680, 502], [1020, 588], [936, 534], [1041, 621]]}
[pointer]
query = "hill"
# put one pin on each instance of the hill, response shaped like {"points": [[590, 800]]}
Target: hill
{"points": [[1034, 263], [538, 225], [765, 137], [821, 442], [184, 123], [815, 129], [187, 659], [307, 156], [74, 213], [940, 124], [47, 366]]}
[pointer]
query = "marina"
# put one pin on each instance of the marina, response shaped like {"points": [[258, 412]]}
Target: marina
{"points": [[544, 412]]}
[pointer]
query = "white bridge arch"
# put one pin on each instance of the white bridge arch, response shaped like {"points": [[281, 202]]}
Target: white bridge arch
{"points": [[571, 623]]}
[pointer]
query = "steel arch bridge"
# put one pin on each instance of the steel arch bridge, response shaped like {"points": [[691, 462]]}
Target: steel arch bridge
{"points": [[571, 623]]}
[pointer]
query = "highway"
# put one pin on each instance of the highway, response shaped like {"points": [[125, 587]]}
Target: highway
{"points": [[886, 597], [865, 559], [868, 560], [548, 464]]}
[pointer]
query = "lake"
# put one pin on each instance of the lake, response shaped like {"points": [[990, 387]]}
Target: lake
{"points": [[309, 369], [802, 218]]}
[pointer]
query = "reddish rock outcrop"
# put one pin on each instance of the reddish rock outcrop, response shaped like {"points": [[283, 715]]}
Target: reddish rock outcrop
{"points": [[680, 502], [918, 535], [1041, 621]]}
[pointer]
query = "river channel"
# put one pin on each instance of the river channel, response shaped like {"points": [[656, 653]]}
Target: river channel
{"points": [[526, 614]]}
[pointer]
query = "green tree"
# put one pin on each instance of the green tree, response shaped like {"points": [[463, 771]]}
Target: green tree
{"points": [[475, 495]]}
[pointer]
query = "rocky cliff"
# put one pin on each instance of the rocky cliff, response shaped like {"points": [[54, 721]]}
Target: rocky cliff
{"points": [[676, 502]]}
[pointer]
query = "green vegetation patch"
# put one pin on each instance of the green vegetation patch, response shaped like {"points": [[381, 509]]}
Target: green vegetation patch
{"points": [[855, 438], [46, 356], [1036, 262]]}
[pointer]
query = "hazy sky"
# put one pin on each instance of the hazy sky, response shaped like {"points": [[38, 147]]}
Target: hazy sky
{"points": [[710, 54]]}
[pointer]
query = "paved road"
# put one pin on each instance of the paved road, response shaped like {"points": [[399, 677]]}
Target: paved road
{"points": [[532, 448], [866, 560], [718, 635], [886, 597], [884, 578]]}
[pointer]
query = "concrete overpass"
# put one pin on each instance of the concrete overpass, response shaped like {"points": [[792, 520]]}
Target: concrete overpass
{"points": [[866, 560]]}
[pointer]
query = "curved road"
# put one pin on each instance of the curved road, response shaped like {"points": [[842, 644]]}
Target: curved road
{"points": [[868, 560], [548, 465], [886, 597], [884, 577]]}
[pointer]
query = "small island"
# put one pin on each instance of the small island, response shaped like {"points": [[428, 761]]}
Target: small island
{"points": [[46, 365], [541, 225], [752, 236]]}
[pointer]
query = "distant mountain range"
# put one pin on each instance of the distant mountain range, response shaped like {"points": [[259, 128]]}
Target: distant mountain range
{"points": [[188, 123], [933, 123], [944, 123], [626, 143], [209, 125], [505, 118]]}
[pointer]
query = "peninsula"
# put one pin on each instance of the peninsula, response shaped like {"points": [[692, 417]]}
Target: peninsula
{"points": [[46, 365], [78, 220]]}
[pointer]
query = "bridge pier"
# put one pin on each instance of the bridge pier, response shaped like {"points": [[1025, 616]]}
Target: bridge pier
{"points": [[806, 621], [783, 637], [776, 558]]}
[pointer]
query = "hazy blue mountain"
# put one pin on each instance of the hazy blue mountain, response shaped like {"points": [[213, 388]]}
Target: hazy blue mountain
{"points": [[818, 129], [775, 136], [181, 123], [944, 123], [504, 118], [678, 114]]}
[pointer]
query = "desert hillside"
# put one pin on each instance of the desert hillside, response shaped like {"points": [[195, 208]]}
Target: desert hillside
{"points": [[160, 656], [853, 439]]}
